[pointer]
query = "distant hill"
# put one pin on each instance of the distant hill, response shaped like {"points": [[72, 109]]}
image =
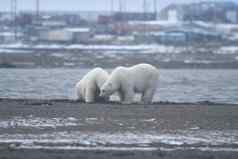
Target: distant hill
{"points": [[221, 12]]}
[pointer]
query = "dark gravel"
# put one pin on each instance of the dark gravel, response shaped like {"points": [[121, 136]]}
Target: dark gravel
{"points": [[168, 117]]}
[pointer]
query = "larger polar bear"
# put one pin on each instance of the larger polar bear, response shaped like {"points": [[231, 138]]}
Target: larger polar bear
{"points": [[88, 88], [127, 81]]}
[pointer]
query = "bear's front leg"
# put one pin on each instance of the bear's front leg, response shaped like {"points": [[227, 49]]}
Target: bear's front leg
{"points": [[148, 96], [121, 95], [90, 95], [128, 95], [79, 97]]}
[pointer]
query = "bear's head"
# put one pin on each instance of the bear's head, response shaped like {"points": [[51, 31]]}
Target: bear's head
{"points": [[107, 89]]}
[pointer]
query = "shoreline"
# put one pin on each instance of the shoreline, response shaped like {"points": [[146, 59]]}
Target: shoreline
{"points": [[65, 100]]}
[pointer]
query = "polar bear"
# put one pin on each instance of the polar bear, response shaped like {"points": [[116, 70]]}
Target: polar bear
{"points": [[88, 88], [127, 81]]}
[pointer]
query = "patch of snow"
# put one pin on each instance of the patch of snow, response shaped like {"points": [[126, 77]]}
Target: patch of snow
{"points": [[53, 46], [36, 122], [7, 34], [146, 48], [157, 22], [103, 37], [149, 120], [228, 50], [233, 36], [204, 138], [195, 128], [14, 51], [125, 38], [98, 148], [58, 55], [204, 24], [226, 28], [78, 29], [69, 64], [91, 119], [14, 45], [72, 119], [114, 148], [198, 61], [166, 60]]}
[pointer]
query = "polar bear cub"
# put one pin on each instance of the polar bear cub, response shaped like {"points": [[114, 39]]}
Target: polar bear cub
{"points": [[127, 81], [88, 88]]}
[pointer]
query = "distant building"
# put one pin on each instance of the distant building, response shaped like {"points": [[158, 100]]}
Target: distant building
{"points": [[53, 23], [7, 37], [173, 37], [231, 16], [179, 36], [103, 39], [80, 35], [172, 13], [6, 17], [55, 36], [66, 35], [104, 19], [134, 16], [219, 12], [120, 28]]}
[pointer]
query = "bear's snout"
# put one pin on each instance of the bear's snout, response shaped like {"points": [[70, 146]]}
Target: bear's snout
{"points": [[102, 93]]}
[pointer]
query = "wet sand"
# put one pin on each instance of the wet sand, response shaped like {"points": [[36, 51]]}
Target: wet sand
{"points": [[27, 117]]}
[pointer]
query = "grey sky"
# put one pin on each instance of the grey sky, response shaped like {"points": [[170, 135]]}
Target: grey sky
{"points": [[85, 5]]}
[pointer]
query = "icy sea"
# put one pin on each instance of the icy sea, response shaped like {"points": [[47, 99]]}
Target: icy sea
{"points": [[180, 85]]}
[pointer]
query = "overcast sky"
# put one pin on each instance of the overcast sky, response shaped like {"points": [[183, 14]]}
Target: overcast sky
{"points": [[90, 5]]}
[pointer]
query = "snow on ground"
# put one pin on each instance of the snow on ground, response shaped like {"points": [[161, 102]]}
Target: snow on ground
{"points": [[149, 48], [14, 51], [37, 122], [157, 22], [72, 138], [228, 50], [142, 48]]}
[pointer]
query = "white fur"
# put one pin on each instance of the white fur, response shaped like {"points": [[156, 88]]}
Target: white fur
{"points": [[127, 81], [88, 88]]}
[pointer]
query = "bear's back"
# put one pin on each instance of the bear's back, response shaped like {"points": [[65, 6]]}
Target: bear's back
{"points": [[142, 70], [143, 76]]}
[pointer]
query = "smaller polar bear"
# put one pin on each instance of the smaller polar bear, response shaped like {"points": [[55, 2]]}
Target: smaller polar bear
{"points": [[88, 88], [127, 81]]}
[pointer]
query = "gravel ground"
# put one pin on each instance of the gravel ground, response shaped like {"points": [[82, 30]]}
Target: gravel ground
{"points": [[159, 130]]}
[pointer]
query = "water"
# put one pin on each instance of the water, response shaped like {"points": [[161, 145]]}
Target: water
{"points": [[180, 85]]}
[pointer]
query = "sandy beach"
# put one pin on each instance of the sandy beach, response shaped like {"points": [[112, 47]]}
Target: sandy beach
{"points": [[69, 129]]}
